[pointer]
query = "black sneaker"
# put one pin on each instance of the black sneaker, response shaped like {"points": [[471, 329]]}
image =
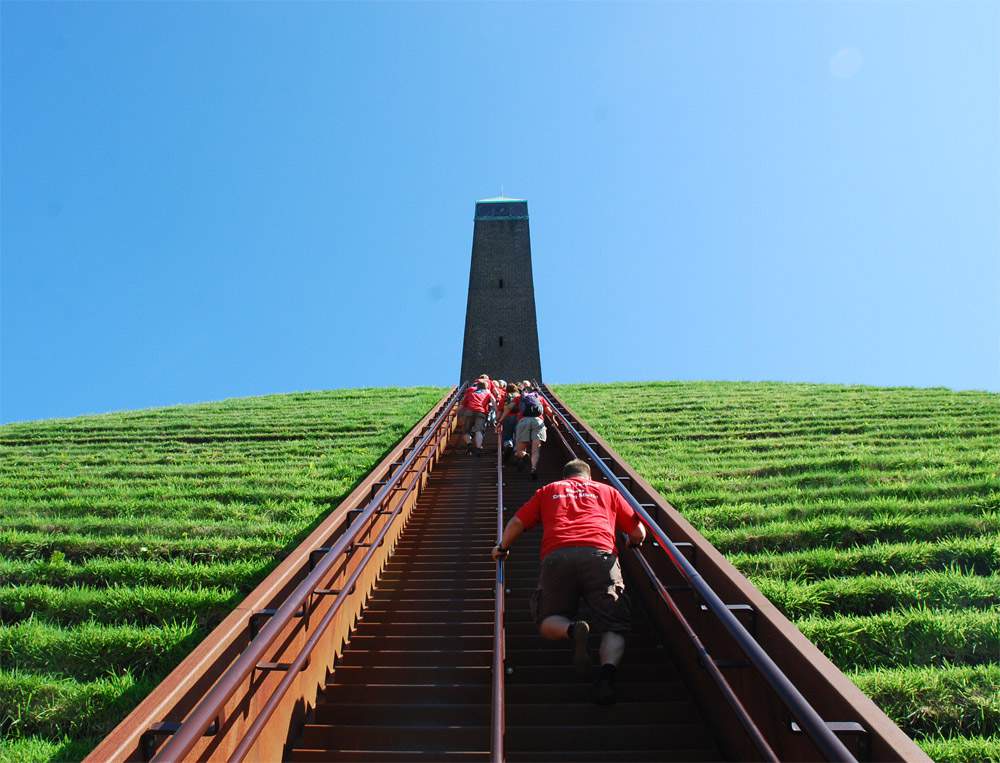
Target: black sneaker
{"points": [[468, 450], [606, 685], [534, 474], [581, 657], [606, 692]]}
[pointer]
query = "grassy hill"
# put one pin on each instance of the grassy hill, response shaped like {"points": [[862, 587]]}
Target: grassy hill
{"points": [[124, 538], [870, 516]]}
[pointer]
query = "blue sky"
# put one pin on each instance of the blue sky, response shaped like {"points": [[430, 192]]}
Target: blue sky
{"points": [[206, 200]]}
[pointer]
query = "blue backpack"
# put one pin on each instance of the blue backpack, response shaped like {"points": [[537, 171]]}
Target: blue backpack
{"points": [[530, 404]]}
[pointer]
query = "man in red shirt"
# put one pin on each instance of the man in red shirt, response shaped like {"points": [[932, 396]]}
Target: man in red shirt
{"points": [[579, 519], [477, 402]]}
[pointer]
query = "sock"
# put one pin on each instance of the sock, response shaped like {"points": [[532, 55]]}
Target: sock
{"points": [[608, 672]]}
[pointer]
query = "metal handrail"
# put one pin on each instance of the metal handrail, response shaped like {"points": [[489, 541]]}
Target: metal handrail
{"points": [[706, 661], [704, 658], [211, 706], [499, 636], [816, 729]]}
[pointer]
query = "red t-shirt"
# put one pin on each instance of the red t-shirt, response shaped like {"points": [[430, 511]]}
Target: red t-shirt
{"points": [[477, 400], [578, 512]]}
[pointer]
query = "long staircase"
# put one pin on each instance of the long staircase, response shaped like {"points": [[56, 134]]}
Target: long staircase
{"points": [[389, 634], [414, 679]]}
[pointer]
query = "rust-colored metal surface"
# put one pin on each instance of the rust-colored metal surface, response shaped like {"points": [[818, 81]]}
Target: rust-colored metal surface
{"points": [[863, 728], [498, 717], [414, 680], [142, 731]]}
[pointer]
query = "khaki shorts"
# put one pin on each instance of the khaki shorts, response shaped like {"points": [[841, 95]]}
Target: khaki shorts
{"points": [[530, 428], [579, 572], [473, 422]]}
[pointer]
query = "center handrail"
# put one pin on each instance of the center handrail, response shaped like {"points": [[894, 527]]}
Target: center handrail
{"points": [[498, 719], [211, 706], [811, 722]]}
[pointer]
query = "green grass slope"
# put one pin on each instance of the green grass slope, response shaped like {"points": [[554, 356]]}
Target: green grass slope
{"points": [[870, 516], [125, 537]]}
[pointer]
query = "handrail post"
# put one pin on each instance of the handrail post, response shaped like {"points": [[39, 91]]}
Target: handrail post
{"points": [[825, 740]]}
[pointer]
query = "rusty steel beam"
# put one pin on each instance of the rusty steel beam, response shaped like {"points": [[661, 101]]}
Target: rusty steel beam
{"points": [[841, 704], [159, 715], [497, 715]]}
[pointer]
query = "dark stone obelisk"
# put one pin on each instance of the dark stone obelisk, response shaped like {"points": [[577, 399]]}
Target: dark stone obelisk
{"points": [[501, 332]]}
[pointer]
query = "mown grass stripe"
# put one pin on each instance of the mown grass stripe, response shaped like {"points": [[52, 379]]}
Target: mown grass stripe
{"points": [[100, 572], [78, 548], [980, 555], [960, 749], [148, 526], [850, 531], [748, 514], [90, 650], [35, 749], [875, 594], [121, 604], [910, 637], [185, 513], [930, 702], [699, 494], [57, 708]]}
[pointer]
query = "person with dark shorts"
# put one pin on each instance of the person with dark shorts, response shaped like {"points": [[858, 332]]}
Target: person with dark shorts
{"points": [[579, 519], [476, 408]]}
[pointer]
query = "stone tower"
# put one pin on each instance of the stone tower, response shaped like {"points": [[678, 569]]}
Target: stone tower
{"points": [[501, 332]]}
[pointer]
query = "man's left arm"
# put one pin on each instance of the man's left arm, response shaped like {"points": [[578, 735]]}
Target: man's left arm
{"points": [[628, 521]]}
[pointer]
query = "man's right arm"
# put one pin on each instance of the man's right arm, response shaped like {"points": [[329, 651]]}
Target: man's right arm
{"points": [[511, 533], [526, 517]]}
